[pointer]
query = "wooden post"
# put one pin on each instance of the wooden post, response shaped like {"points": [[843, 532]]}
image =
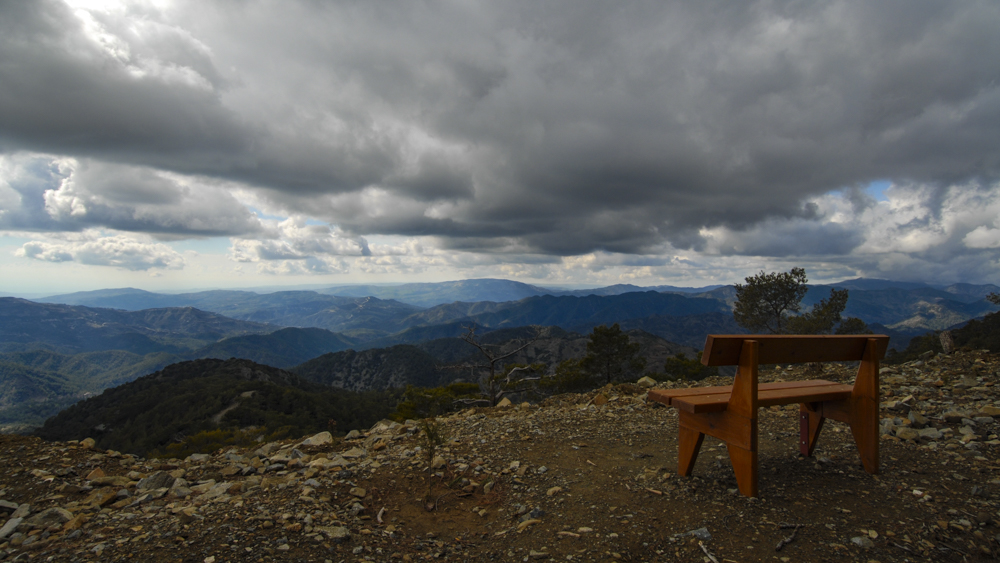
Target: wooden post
{"points": [[743, 406], [864, 408]]}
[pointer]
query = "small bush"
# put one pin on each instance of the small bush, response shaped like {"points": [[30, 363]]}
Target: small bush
{"points": [[680, 368]]}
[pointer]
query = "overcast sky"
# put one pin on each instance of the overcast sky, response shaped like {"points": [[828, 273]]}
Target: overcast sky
{"points": [[231, 144]]}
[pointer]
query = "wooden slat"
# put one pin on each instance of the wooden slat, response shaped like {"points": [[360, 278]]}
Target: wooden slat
{"points": [[806, 395], [724, 349], [716, 402], [665, 395]]}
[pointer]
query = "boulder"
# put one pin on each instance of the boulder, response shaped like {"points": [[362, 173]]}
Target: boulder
{"points": [[49, 516], [646, 382], [318, 439], [158, 480]]}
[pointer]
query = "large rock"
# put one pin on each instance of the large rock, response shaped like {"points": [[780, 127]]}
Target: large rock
{"points": [[989, 411], [111, 481], [646, 382], [931, 433], [917, 420], [354, 453], [954, 415], [158, 480], [9, 527], [336, 533], [49, 516], [101, 497], [318, 439]]}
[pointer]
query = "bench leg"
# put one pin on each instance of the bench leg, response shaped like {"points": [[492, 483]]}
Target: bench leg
{"points": [[864, 408], [745, 467], [810, 425], [864, 427], [690, 444]]}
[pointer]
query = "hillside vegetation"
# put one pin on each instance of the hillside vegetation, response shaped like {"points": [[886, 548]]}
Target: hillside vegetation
{"points": [[188, 398], [36, 385]]}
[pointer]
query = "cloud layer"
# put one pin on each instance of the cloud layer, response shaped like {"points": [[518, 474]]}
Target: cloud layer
{"points": [[510, 133]]}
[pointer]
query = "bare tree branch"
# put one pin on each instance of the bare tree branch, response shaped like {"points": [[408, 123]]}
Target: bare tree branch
{"points": [[496, 387]]}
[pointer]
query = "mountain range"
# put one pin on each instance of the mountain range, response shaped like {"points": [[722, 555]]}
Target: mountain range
{"points": [[57, 350]]}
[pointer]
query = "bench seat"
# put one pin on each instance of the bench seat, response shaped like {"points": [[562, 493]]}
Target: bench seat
{"points": [[715, 399]]}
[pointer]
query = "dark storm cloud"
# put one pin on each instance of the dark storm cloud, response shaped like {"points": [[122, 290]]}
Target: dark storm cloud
{"points": [[556, 127], [62, 91], [71, 195]]}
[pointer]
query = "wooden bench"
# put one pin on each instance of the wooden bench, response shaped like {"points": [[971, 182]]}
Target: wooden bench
{"points": [[729, 413]]}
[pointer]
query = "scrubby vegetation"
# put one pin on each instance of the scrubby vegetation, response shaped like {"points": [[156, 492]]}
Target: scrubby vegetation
{"points": [[189, 398], [681, 368], [208, 441]]}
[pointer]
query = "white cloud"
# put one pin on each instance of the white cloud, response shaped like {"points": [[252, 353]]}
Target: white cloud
{"points": [[306, 266], [983, 237], [92, 248]]}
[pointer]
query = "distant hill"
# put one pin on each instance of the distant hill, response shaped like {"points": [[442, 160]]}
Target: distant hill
{"points": [[431, 294], [495, 290], [922, 307], [190, 397], [127, 298], [568, 312], [584, 313], [283, 348], [871, 284], [283, 308], [237, 304], [967, 292], [621, 288], [27, 325]]}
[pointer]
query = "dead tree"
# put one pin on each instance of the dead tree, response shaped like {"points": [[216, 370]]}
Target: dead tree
{"points": [[494, 386]]}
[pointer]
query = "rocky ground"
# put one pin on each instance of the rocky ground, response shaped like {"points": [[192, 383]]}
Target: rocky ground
{"points": [[579, 478]]}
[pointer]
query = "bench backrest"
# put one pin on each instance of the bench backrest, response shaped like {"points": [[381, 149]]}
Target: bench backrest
{"points": [[724, 349]]}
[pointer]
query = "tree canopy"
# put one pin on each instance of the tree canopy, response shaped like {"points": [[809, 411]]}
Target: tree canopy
{"points": [[611, 356], [766, 301], [763, 304]]}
